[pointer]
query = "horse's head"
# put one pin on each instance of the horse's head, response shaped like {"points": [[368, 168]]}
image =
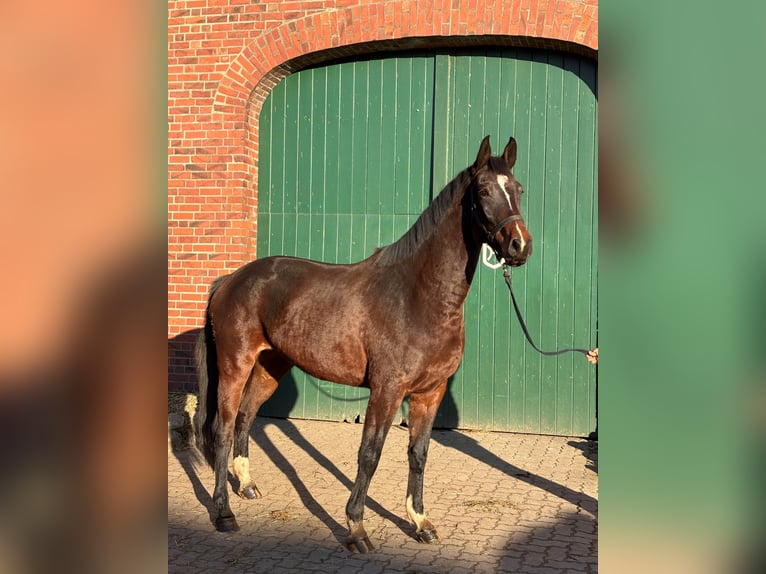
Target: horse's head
{"points": [[495, 204]]}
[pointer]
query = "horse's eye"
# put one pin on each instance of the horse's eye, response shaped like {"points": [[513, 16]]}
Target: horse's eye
{"points": [[483, 192]]}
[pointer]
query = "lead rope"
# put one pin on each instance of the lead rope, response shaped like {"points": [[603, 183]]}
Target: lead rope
{"points": [[591, 355]]}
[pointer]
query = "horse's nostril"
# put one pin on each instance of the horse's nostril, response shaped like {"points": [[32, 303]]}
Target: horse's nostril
{"points": [[515, 245]]}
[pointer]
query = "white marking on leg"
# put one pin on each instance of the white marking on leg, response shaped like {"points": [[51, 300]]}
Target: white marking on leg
{"points": [[521, 237], [242, 470], [422, 524], [415, 517]]}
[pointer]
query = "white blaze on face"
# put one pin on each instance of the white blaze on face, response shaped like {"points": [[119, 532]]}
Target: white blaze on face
{"points": [[521, 237], [501, 181]]}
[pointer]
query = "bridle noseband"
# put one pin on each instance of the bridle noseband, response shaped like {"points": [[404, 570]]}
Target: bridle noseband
{"points": [[499, 226]]}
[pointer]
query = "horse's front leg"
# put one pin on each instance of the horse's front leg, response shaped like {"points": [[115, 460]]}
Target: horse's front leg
{"points": [[423, 408], [378, 418]]}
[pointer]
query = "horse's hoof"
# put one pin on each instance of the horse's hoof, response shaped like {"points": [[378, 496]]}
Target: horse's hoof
{"points": [[428, 536], [226, 524], [250, 493], [360, 545]]}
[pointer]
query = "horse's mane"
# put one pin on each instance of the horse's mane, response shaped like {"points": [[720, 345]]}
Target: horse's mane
{"points": [[426, 223]]}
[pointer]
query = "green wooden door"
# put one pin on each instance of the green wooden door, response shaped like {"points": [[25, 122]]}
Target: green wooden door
{"points": [[351, 153]]}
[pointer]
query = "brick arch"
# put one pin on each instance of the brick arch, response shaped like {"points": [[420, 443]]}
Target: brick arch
{"points": [[570, 25], [567, 25]]}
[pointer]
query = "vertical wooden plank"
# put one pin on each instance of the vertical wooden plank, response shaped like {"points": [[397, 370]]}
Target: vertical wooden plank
{"points": [[344, 237], [372, 233], [374, 136], [276, 234], [567, 243], [400, 184], [357, 233], [485, 114], [318, 141], [500, 123], [291, 244], [533, 270], [461, 120], [387, 226], [548, 336], [506, 95], [492, 102], [421, 132], [334, 200], [290, 175], [388, 133], [343, 79], [522, 105], [330, 240], [585, 309], [443, 110], [354, 79], [276, 200], [303, 164]]}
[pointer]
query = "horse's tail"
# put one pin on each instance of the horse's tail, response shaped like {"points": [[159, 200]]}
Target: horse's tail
{"points": [[207, 367]]}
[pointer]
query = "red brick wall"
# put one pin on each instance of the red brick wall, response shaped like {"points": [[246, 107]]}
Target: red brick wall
{"points": [[224, 56]]}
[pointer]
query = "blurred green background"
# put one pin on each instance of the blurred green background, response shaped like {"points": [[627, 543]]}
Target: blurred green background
{"points": [[682, 400]]}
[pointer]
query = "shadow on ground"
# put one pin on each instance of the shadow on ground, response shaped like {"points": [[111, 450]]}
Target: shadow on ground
{"points": [[291, 431], [567, 545], [589, 450], [452, 439]]}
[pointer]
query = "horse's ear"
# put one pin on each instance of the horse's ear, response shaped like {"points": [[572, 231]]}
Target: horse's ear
{"points": [[485, 152], [509, 153]]}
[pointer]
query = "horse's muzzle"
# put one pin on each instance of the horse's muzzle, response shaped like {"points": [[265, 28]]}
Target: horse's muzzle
{"points": [[518, 251]]}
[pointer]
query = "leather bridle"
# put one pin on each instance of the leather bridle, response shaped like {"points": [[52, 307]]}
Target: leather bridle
{"points": [[489, 236]]}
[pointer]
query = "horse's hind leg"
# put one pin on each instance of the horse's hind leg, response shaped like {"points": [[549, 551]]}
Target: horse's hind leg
{"points": [[423, 408], [268, 369], [230, 388]]}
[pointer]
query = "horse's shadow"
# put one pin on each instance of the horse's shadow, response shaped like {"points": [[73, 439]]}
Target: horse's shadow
{"points": [[308, 499], [288, 395], [190, 460], [448, 417], [181, 356], [589, 450]]}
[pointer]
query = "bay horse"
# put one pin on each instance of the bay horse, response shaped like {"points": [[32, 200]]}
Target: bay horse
{"points": [[392, 322]]}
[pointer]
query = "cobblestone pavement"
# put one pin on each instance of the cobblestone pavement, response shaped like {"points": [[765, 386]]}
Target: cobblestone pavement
{"points": [[502, 503]]}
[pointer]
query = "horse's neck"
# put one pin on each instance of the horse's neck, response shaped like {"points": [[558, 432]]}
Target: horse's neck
{"points": [[447, 259]]}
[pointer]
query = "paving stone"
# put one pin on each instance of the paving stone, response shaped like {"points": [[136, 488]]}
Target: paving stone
{"points": [[498, 506]]}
